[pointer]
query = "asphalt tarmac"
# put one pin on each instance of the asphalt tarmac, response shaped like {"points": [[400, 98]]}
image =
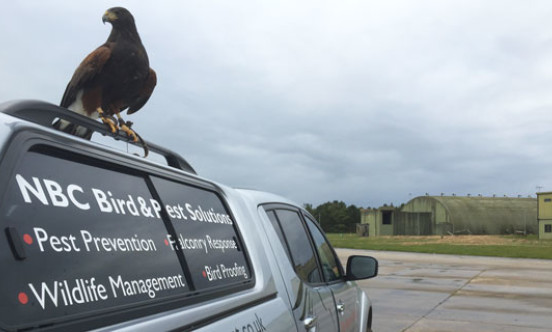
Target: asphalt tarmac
{"points": [[428, 292]]}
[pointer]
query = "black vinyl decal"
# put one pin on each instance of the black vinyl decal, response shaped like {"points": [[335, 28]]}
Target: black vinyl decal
{"points": [[205, 233], [82, 240]]}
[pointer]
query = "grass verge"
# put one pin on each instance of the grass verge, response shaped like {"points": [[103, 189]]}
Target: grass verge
{"points": [[475, 245]]}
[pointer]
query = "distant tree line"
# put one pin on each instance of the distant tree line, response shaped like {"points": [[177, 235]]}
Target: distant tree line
{"points": [[336, 216]]}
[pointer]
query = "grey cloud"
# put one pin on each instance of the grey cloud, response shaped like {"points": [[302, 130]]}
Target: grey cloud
{"points": [[367, 102]]}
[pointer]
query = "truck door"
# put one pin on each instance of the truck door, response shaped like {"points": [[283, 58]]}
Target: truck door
{"points": [[313, 304], [345, 293]]}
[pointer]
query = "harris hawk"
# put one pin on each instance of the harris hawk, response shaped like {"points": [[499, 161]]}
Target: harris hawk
{"points": [[113, 78]]}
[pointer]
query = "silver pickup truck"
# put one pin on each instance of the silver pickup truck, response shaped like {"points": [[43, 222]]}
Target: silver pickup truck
{"points": [[98, 239]]}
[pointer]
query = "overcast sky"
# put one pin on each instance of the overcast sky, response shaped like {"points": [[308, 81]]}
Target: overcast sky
{"points": [[369, 102]]}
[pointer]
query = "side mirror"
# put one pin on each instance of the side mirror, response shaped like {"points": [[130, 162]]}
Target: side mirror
{"points": [[361, 267]]}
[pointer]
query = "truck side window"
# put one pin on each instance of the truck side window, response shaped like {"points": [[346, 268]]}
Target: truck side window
{"points": [[274, 221], [304, 259], [330, 266]]}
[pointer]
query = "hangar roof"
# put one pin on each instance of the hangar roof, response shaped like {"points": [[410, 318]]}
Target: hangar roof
{"points": [[479, 214]]}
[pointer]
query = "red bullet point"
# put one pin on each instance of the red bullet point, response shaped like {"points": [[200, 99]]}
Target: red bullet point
{"points": [[23, 298], [166, 242], [204, 274], [28, 239]]}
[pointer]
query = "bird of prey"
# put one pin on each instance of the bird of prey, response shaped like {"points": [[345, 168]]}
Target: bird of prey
{"points": [[113, 78]]}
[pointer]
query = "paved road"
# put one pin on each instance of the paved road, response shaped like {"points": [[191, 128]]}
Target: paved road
{"points": [[427, 292]]}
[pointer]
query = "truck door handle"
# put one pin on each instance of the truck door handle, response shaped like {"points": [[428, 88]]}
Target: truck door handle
{"points": [[309, 322], [340, 307]]}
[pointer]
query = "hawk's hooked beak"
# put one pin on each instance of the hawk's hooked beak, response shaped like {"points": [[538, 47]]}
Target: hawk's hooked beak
{"points": [[109, 17]]}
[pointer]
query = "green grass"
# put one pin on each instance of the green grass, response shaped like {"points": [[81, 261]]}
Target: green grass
{"points": [[499, 246]]}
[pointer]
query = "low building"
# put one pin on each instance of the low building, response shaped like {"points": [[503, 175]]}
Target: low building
{"points": [[380, 220], [545, 215], [439, 215]]}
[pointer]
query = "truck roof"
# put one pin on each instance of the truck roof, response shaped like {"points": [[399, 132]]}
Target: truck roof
{"points": [[44, 114]]}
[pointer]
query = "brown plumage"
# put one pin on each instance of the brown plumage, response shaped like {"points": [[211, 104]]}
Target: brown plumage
{"points": [[113, 78]]}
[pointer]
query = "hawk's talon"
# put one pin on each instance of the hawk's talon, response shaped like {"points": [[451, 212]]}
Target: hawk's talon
{"points": [[109, 120], [125, 126], [110, 123], [116, 124], [130, 133], [134, 135]]}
